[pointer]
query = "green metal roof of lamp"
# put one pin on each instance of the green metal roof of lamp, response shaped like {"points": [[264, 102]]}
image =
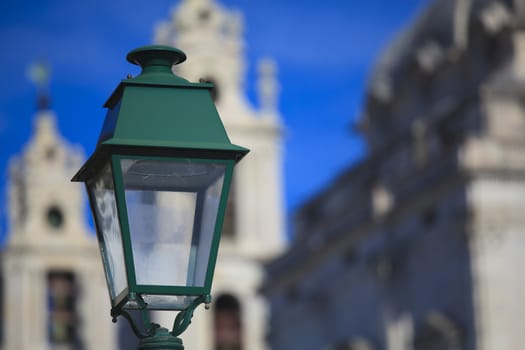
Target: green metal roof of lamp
{"points": [[158, 183]]}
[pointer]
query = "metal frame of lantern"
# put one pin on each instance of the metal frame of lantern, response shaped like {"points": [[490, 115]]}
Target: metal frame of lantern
{"points": [[132, 293], [163, 119]]}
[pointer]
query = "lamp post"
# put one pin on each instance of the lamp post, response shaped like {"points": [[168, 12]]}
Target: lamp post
{"points": [[157, 183]]}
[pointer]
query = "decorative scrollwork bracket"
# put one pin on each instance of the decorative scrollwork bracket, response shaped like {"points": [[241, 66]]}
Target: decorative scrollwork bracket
{"points": [[181, 323]]}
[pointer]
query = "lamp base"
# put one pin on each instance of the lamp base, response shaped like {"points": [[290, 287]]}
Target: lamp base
{"points": [[162, 339]]}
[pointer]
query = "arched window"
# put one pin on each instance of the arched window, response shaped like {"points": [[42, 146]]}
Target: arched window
{"points": [[354, 343], [438, 333], [62, 310], [227, 323]]}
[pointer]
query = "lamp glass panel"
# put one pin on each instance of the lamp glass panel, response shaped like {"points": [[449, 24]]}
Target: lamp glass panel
{"points": [[102, 194], [172, 209], [161, 302]]}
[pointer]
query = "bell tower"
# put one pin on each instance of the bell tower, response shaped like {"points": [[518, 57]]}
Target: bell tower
{"points": [[54, 288], [253, 230], [211, 38]]}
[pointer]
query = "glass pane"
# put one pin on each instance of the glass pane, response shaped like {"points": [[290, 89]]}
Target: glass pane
{"points": [[172, 209], [210, 208], [109, 236], [161, 227], [162, 302]]}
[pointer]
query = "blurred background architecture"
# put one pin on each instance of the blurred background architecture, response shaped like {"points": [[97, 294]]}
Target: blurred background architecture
{"points": [[53, 286], [419, 246]]}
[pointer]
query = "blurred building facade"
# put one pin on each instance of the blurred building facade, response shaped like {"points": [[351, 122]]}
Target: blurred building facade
{"points": [[253, 231], [420, 245], [54, 293]]}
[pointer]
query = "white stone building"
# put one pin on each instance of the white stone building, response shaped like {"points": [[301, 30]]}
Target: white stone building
{"points": [[54, 291], [420, 246]]}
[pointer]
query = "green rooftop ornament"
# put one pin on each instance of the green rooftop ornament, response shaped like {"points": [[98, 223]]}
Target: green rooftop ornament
{"points": [[158, 183]]}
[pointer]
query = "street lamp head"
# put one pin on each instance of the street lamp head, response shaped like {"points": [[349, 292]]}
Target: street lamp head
{"points": [[158, 183]]}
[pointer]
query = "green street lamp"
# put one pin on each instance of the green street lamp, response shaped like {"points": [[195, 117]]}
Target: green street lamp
{"points": [[158, 183]]}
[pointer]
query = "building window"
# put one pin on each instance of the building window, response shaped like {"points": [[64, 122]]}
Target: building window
{"points": [[214, 92], [438, 333], [355, 343], [227, 322], [204, 15], [382, 200], [62, 318], [55, 217], [428, 217], [50, 153], [419, 142]]}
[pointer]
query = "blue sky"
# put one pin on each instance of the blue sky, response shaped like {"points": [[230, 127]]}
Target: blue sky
{"points": [[324, 50]]}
